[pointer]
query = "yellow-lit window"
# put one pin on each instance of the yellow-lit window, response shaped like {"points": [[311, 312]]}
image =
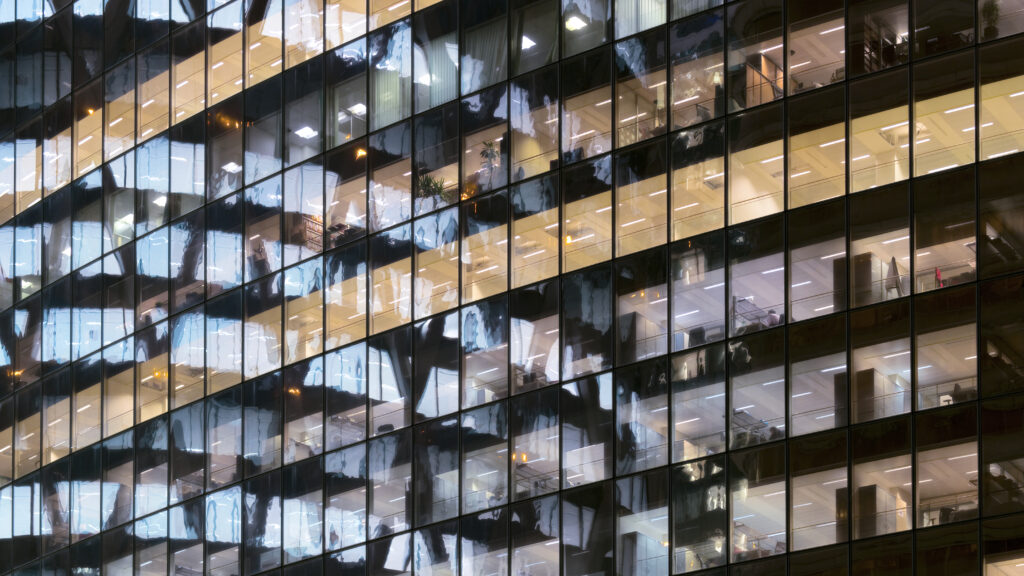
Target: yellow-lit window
{"points": [[119, 110], [345, 20], [641, 193], [586, 214], [485, 247], [224, 65], [303, 311], [152, 375], [346, 295], [188, 73], [153, 95], [698, 181], [756, 164], [437, 263], [534, 231], [263, 44], [391, 264], [28, 154], [58, 151], [118, 388], [817, 148], [303, 31], [943, 114], [387, 11], [879, 147], [1002, 99], [88, 129]]}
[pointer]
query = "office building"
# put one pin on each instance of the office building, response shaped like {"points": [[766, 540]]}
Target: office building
{"points": [[511, 287]]}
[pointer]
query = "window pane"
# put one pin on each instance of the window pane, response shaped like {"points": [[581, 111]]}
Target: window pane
{"points": [[700, 518], [345, 93], [345, 501], [817, 148], [757, 389], [820, 508], [881, 478], [944, 114], [485, 247], [817, 260], [698, 183], [947, 466], [436, 284], [484, 352], [818, 378], [436, 74], [535, 244], [436, 150], [587, 322], [390, 75], [346, 380], [585, 407], [534, 334], [436, 367], [880, 244], [484, 43], [586, 110], [640, 196], [535, 454], [534, 110], [641, 417], [757, 276], [587, 214], [878, 35], [757, 502], [755, 53], [642, 524], [756, 164], [879, 150], [698, 403], [642, 306], [816, 44], [640, 85], [946, 348], [944, 239], [880, 342]]}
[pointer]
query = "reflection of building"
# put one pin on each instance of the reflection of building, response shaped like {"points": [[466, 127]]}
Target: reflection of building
{"points": [[542, 287]]}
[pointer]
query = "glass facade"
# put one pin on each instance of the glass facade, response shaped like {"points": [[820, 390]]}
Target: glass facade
{"points": [[511, 287]]}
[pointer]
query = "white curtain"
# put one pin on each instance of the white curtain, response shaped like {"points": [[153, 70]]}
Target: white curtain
{"points": [[632, 16]]}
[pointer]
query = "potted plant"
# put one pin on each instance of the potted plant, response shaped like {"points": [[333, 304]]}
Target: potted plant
{"points": [[428, 187], [490, 154]]}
